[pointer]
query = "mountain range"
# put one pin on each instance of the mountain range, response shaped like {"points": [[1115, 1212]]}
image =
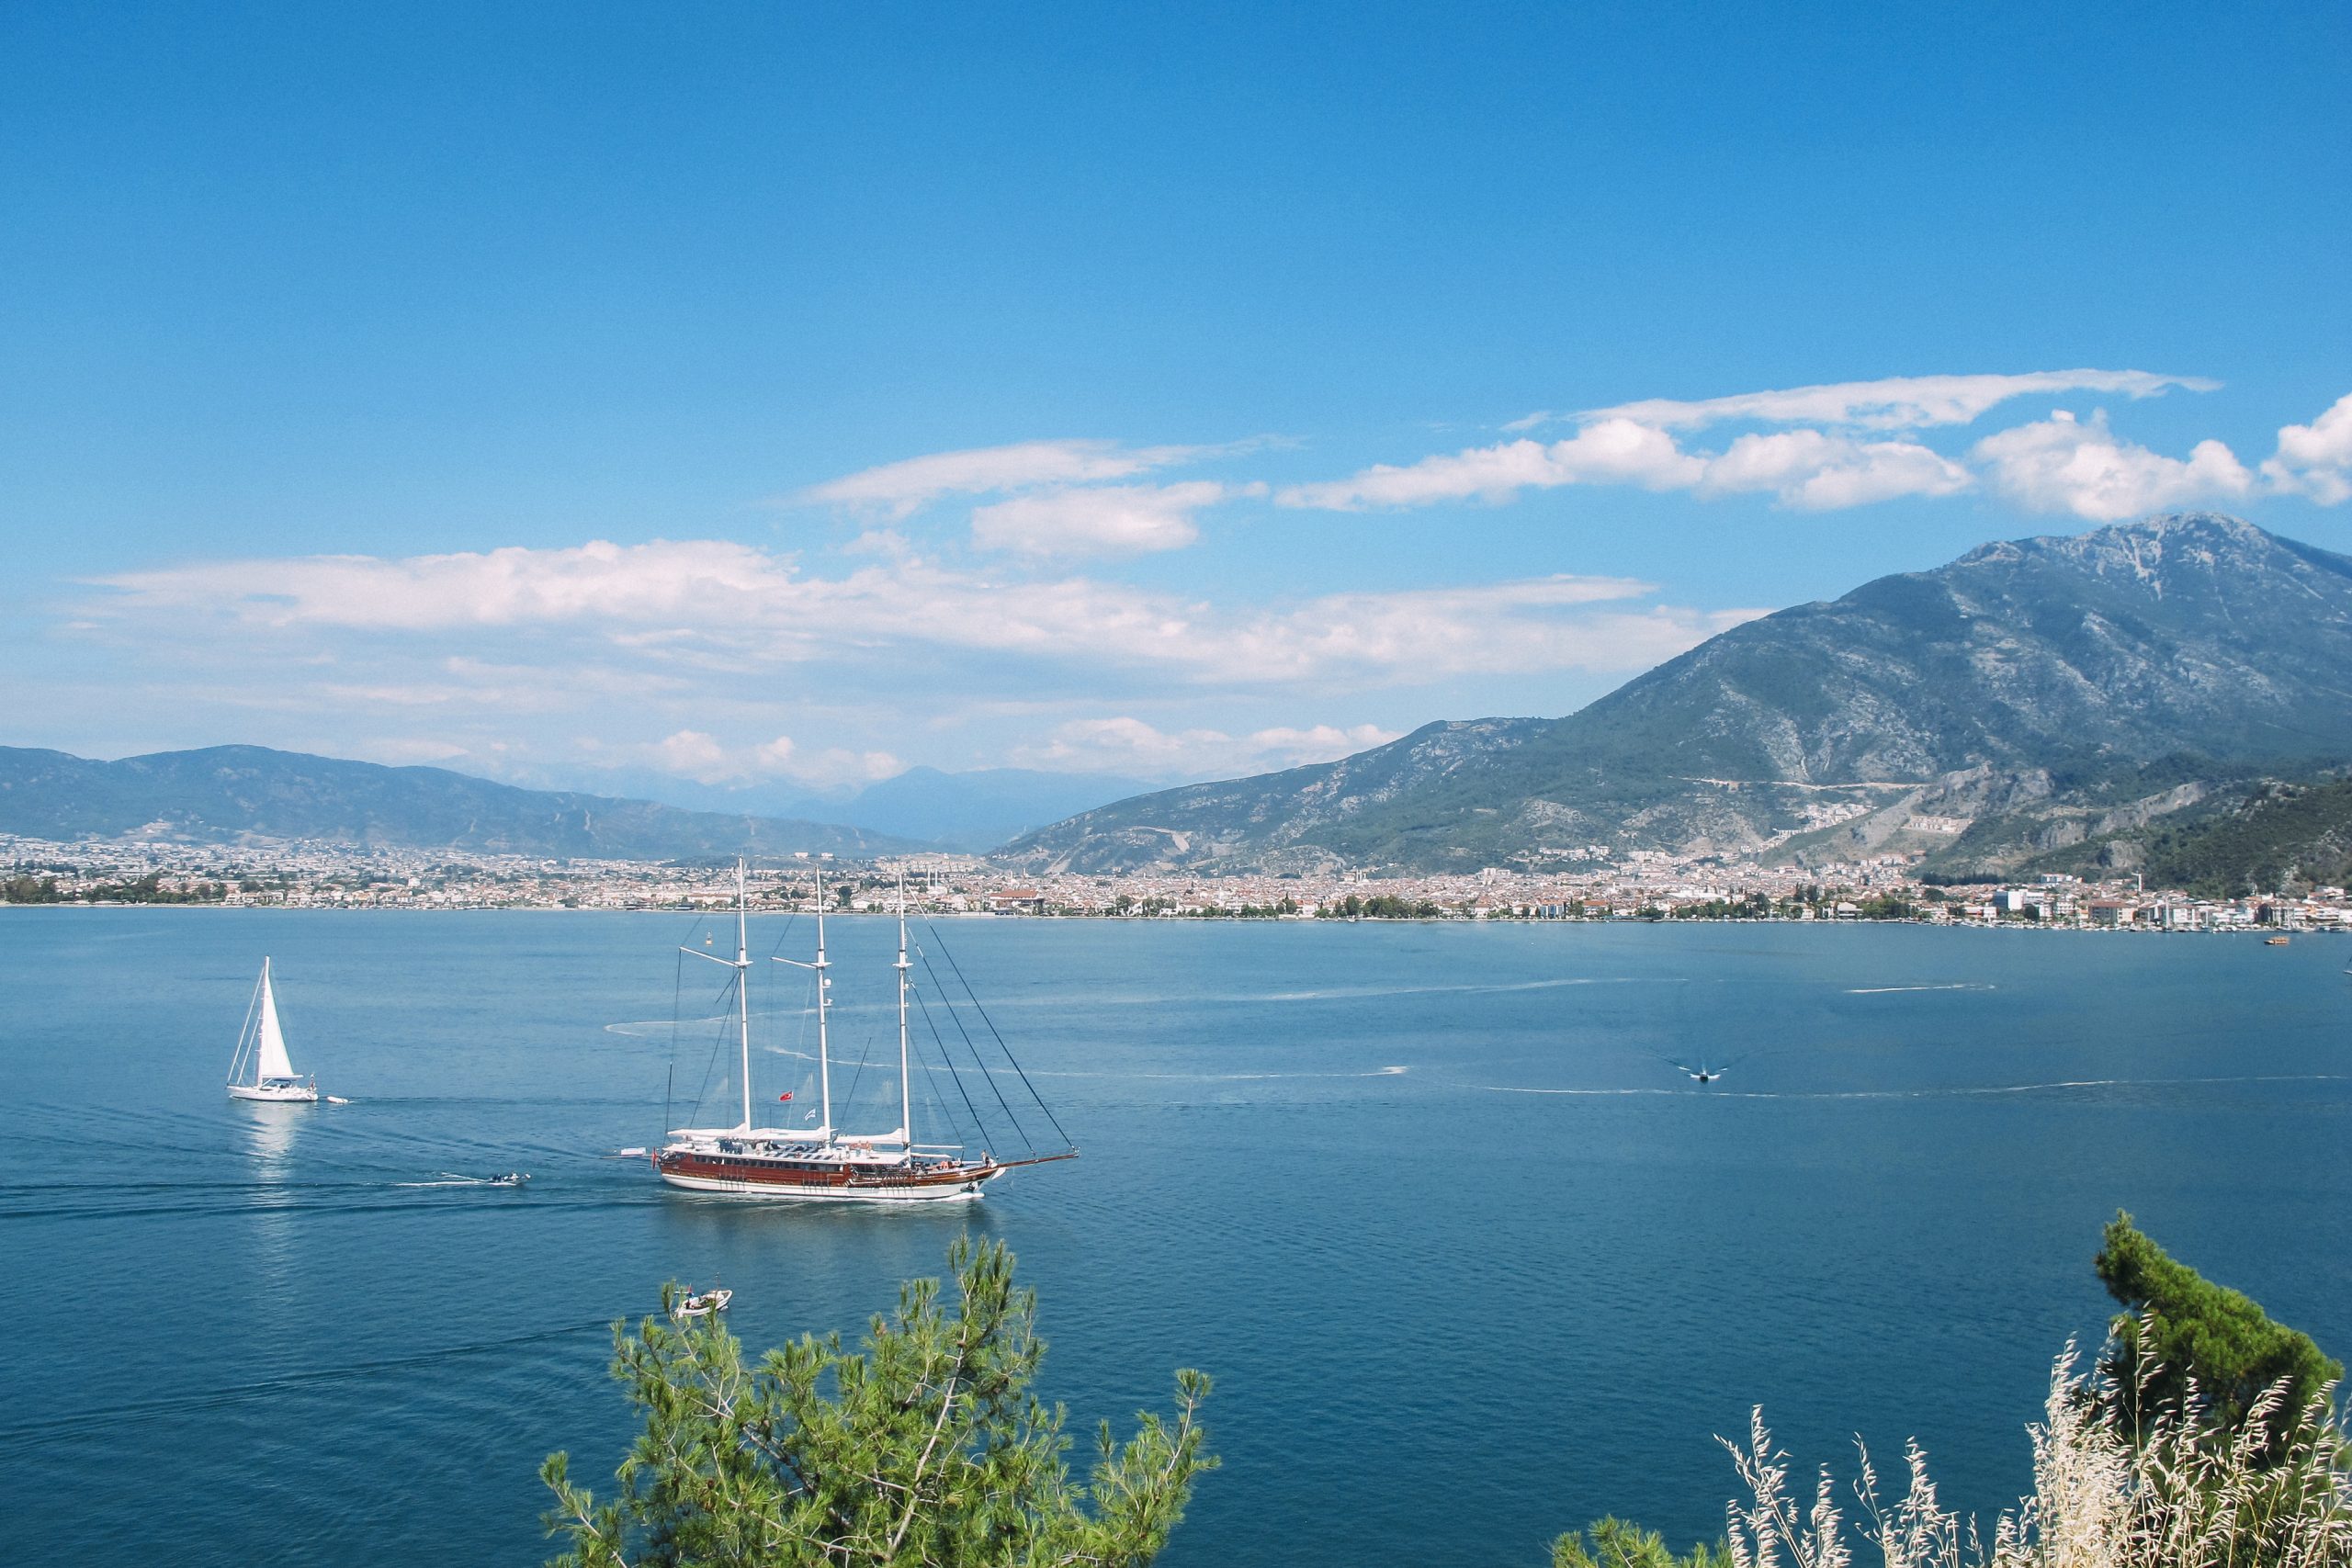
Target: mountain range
{"points": [[971, 812], [243, 794], [2030, 695]]}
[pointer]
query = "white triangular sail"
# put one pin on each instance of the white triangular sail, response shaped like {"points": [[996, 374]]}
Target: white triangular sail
{"points": [[269, 1041]]}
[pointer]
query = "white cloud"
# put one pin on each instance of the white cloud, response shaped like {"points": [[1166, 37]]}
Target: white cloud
{"points": [[691, 754], [1816, 471], [2061, 463], [461, 682], [1493, 629], [1126, 744], [1830, 460], [1102, 520], [1807, 469], [2315, 459], [511, 586], [1893, 403], [698, 755], [1613, 451], [710, 609], [899, 489]]}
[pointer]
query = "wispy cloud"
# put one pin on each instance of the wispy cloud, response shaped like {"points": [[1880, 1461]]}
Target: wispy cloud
{"points": [[1892, 402], [735, 667], [1127, 744], [899, 489], [1101, 520], [680, 606]]}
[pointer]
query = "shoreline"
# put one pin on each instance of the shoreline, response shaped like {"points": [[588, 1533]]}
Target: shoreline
{"points": [[2037, 927]]}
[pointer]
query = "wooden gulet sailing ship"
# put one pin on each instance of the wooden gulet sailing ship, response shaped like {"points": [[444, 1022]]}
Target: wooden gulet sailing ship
{"points": [[820, 1163]]}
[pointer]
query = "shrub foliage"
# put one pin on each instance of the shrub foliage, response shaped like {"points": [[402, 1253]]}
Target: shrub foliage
{"points": [[925, 1448], [2180, 1333]]}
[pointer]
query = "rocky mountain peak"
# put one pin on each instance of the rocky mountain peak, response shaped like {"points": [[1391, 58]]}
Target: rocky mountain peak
{"points": [[2190, 635], [2148, 551]]}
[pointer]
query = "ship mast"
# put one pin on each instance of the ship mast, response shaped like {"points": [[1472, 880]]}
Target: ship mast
{"points": [[825, 1056], [905, 1094], [744, 990], [824, 1050], [742, 967]]}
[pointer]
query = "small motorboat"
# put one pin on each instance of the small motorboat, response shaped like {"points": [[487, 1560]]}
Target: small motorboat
{"points": [[2274, 941], [700, 1303], [512, 1179]]}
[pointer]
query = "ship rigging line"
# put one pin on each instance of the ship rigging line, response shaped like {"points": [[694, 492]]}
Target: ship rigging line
{"points": [[978, 1126], [949, 1003], [865, 1044], [677, 1018], [719, 1040], [931, 1084], [1008, 1056]]}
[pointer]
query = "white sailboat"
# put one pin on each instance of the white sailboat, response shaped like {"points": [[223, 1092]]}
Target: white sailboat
{"points": [[750, 1161], [261, 1069]]}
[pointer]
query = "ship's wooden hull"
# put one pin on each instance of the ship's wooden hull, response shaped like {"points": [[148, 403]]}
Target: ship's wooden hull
{"points": [[762, 1179]]}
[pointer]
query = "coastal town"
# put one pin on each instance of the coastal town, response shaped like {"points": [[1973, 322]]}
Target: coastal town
{"points": [[1643, 886]]}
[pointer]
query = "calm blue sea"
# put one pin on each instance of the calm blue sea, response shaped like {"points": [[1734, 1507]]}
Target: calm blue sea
{"points": [[1470, 1263]]}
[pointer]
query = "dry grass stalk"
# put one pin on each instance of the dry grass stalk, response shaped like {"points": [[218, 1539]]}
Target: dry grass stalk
{"points": [[2188, 1494]]}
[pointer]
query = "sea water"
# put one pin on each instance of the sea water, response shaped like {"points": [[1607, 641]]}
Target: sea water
{"points": [[1471, 1259]]}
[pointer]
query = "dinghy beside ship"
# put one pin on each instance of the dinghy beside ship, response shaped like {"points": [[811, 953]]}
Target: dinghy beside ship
{"points": [[820, 1163]]}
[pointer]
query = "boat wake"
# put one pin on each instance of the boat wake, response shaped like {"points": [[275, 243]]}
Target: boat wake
{"points": [[652, 1029], [1955, 1091], [1890, 990], [1482, 989], [1216, 1077], [1086, 1072], [451, 1178]]}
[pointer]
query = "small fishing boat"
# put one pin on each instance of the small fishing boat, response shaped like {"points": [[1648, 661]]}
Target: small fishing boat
{"points": [[700, 1303], [261, 1069]]}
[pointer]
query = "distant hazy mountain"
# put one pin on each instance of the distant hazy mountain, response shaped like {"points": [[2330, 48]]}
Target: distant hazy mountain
{"points": [[978, 810], [968, 811], [231, 794], [1984, 711]]}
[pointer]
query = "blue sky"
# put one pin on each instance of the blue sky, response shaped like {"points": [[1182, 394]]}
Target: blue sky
{"points": [[763, 395]]}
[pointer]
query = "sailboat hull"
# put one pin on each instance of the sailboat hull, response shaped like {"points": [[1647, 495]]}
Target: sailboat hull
{"points": [[283, 1094], [694, 1174]]}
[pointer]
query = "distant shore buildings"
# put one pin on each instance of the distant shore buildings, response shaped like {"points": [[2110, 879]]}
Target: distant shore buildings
{"points": [[1646, 886]]}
